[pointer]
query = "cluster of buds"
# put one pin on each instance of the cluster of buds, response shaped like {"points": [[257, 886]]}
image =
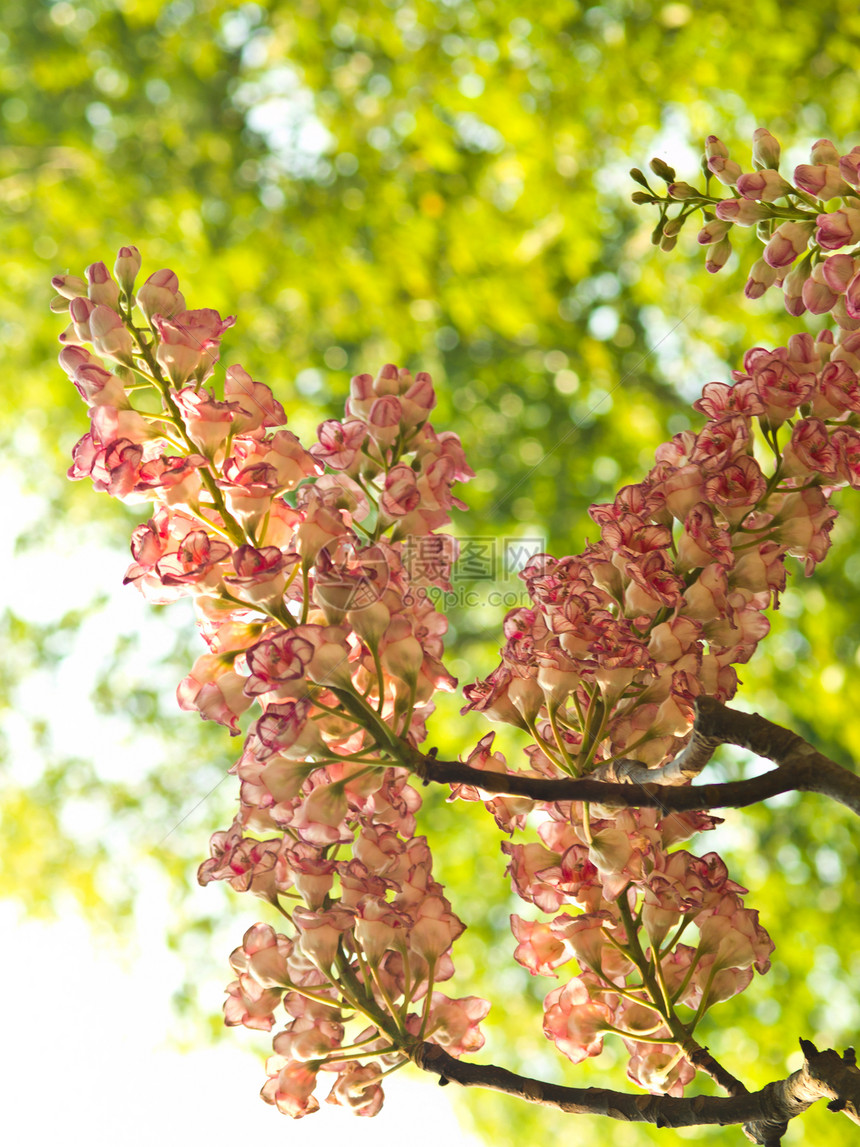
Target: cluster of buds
{"points": [[308, 570], [805, 223], [616, 646]]}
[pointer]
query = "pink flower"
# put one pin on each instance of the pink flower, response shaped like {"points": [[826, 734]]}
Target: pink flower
{"points": [[114, 468], [435, 928], [402, 494], [849, 167], [383, 420], [290, 1087], [815, 292], [247, 863], [656, 1067], [279, 662], [810, 450], [207, 421], [263, 957], [215, 690], [176, 479], [765, 148], [585, 938], [761, 277], [703, 540], [189, 343], [339, 442], [320, 933], [534, 872], [454, 1023], [713, 231], [310, 1037], [418, 399], [726, 170], [735, 938], [261, 574], [736, 489], [846, 441], [257, 406], [193, 562], [250, 1005], [781, 385], [575, 1022], [838, 271], [359, 1089], [803, 525], [721, 443], [538, 948]]}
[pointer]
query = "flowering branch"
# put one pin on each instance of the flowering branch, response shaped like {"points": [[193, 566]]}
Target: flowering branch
{"points": [[630, 784], [310, 571], [824, 1075]]}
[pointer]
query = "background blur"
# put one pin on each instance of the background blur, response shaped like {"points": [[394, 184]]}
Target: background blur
{"points": [[443, 185]]}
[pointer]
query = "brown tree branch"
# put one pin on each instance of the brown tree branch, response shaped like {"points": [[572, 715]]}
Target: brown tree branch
{"points": [[800, 768], [765, 1113]]}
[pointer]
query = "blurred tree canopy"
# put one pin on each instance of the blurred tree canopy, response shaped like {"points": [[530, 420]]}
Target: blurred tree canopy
{"points": [[443, 184]]}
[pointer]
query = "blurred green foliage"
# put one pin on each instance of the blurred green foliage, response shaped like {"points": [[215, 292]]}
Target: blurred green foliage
{"points": [[438, 183]]}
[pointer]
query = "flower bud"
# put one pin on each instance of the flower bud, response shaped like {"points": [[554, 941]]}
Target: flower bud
{"points": [[817, 294], [718, 256], [787, 242], [761, 277], [823, 151], [849, 167], [792, 289], [823, 180], [715, 148], [662, 170], [765, 148], [109, 335], [726, 170], [160, 295], [838, 228], [126, 267], [713, 231], [681, 190], [101, 287], [746, 212], [764, 186], [81, 310], [69, 286]]}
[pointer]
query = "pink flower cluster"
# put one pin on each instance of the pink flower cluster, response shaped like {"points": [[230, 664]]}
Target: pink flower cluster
{"points": [[622, 638], [301, 566], [376, 950], [637, 899], [607, 662]]}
